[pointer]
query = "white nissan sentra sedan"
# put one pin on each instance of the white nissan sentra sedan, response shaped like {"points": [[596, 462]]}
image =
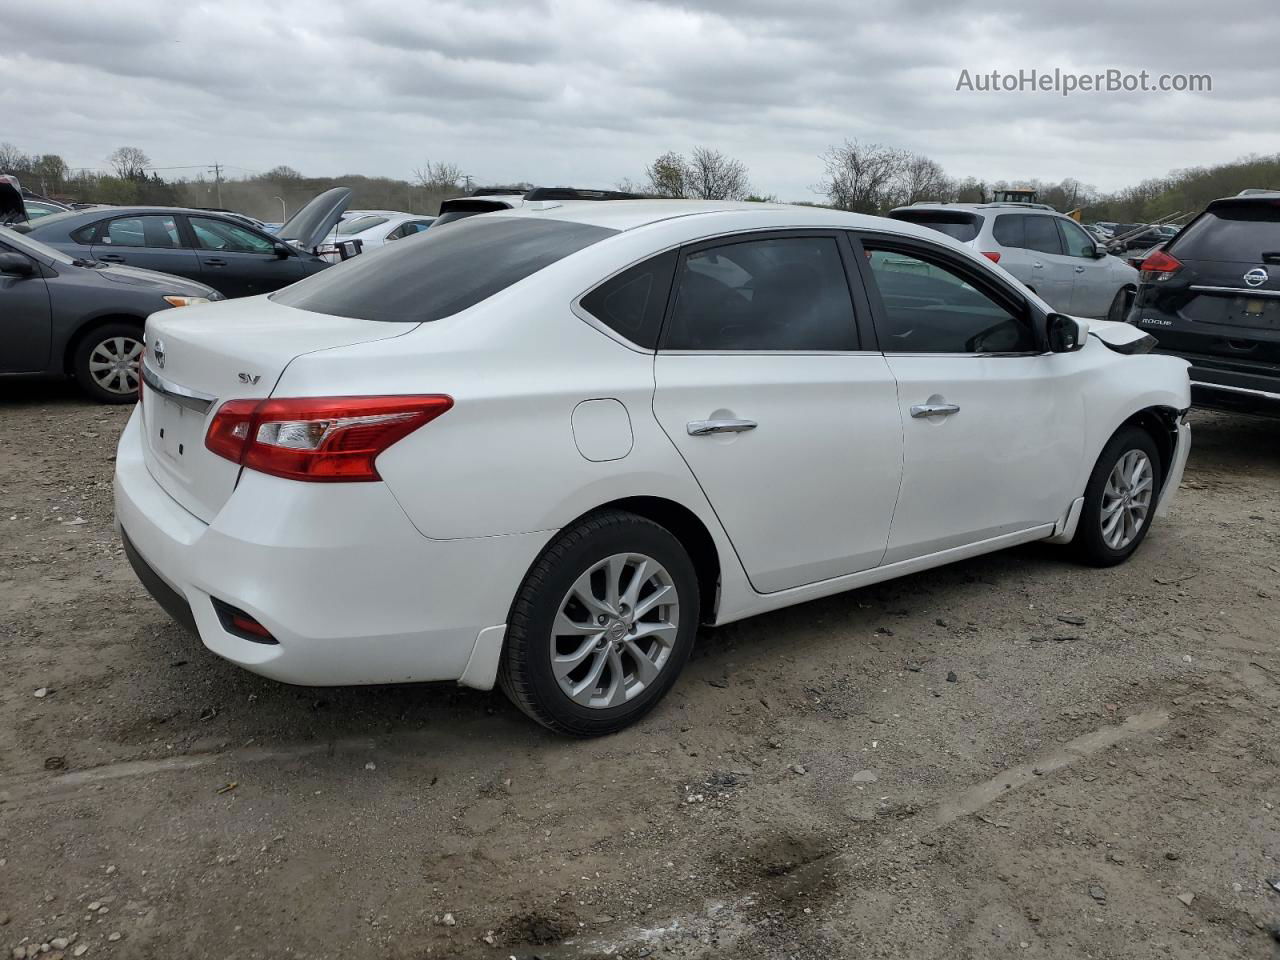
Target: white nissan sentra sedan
{"points": [[540, 447]]}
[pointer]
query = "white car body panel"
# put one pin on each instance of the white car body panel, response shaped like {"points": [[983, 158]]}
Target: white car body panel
{"points": [[554, 416]]}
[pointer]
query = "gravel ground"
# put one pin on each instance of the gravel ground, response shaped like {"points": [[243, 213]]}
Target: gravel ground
{"points": [[1008, 756]]}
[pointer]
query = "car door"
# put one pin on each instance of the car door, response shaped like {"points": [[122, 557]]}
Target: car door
{"points": [[1052, 272], [149, 241], [1093, 286], [25, 319], [237, 261], [783, 411], [992, 426]]}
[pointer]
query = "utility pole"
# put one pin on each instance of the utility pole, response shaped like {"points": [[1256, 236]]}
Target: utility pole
{"points": [[467, 178], [216, 170]]}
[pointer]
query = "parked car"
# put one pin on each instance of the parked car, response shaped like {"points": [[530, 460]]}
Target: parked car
{"points": [[491, 199], [79, 317], [372, 231], [34, 206], [1212, 296], [540, 447], [1097, 232], [1049, 252], [1108, 227], [217, 249]]}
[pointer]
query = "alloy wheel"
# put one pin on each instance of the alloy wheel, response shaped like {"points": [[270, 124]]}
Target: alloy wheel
{"points": [[615, 630], [1126, 499]]}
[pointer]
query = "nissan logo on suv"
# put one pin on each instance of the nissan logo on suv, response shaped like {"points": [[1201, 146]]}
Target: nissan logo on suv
{"points": [[1256, 277]]}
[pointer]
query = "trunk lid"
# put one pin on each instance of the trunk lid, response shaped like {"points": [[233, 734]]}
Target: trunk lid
{"points": [[199, 357]]}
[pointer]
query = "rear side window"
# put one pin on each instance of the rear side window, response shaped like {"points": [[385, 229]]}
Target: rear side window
{"points": [[148, 231], [440, 272], [776, 294], [957, 224], [1239, 232], [1009, 231], [632, 303]]}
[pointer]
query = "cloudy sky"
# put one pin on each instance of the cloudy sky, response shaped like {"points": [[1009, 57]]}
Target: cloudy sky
{"points": [[586, 92]]}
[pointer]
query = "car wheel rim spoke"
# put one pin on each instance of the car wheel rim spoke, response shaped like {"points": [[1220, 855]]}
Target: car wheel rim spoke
{"points": [[113, 364], [1126, 499], [615, 631]]}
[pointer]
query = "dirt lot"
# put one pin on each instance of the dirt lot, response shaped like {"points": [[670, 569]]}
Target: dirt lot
{"points": [[1009, 756]]}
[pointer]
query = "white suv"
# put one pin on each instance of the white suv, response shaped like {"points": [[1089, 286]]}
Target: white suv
{"points": [[1049, 252]]}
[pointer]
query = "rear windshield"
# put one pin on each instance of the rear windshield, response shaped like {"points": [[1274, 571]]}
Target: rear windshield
{"points": [[45, 221], [440, 272], [954, 223], [359, 225], [452, 210], [1241, 232]]}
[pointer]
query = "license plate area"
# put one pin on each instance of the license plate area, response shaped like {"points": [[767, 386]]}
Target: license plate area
{"points": [[172, 429]]}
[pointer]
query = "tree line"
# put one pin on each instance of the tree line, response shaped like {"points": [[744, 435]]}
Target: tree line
{"points": [[858, 176]]}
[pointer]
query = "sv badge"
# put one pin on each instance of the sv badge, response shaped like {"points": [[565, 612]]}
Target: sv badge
{"points": [[249, 378]]}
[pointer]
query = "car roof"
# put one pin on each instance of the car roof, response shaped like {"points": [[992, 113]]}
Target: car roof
{"points": [[623, 215], [1007, 205]]}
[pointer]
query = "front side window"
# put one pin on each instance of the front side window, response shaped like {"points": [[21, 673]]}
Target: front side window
{"points": [[931, 307], [228, 237], [775, 294], [443, 273], [148, 231], [1075, 242]]}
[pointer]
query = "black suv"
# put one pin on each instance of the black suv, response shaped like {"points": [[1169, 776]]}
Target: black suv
{"points": [[1212, 296]]}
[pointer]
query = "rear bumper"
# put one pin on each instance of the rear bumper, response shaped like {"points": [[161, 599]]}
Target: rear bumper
{"points": [[1232, 384], [336, 572]]}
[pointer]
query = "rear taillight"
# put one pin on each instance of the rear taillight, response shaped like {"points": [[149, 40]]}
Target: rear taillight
{"points": [[991, 255], [321, 439], [1159, 266]]}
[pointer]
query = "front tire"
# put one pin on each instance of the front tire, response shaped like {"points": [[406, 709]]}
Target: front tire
{"points": [[602, 625], [1120, 499], [106, 362]]}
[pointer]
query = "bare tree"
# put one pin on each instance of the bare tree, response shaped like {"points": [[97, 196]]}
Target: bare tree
{"points": [[439, 176], [667, 175], [13, 160], [129, 163], [282, 174], [710, 175], [861, 177], [921, 178]]}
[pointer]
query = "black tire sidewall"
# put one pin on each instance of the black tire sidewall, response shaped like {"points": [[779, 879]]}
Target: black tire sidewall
{"points": [[85, 347], [1119, 304], [527, 657], [1088, 539]]}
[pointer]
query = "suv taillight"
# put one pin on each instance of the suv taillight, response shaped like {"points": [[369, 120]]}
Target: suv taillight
{"points": [[1159, 266], [323, 439]]}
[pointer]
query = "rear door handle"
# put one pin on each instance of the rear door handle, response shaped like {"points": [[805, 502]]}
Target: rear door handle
{"points": [[934, 409], [214, 262], [111, 258], [1037, 265], [703, 428], [1079, 269]]}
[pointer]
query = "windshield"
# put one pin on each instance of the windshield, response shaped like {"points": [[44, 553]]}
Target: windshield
{"points": [[33, 247], [359, 225], [440, 272]]}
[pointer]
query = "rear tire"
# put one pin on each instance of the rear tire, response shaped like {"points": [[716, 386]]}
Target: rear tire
{"points": [[582, 681], [106, 362], [1119, 306], [1120, 499]]}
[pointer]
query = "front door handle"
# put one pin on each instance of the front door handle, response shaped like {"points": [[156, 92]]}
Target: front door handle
{"points": [[1037, 265], [111, 258], [1079, 269], [934, 409], [214, 262], [703, 428]]}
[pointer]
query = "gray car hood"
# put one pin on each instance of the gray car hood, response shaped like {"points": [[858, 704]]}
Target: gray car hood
{"points": [[310, 225]]}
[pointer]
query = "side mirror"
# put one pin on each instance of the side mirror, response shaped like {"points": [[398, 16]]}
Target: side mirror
{"points": [[282, 252], [1099, 251], [16, 265], [1066, 334]]}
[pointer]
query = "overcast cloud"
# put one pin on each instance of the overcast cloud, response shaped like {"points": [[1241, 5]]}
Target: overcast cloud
{"points": [[587, 92]]}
